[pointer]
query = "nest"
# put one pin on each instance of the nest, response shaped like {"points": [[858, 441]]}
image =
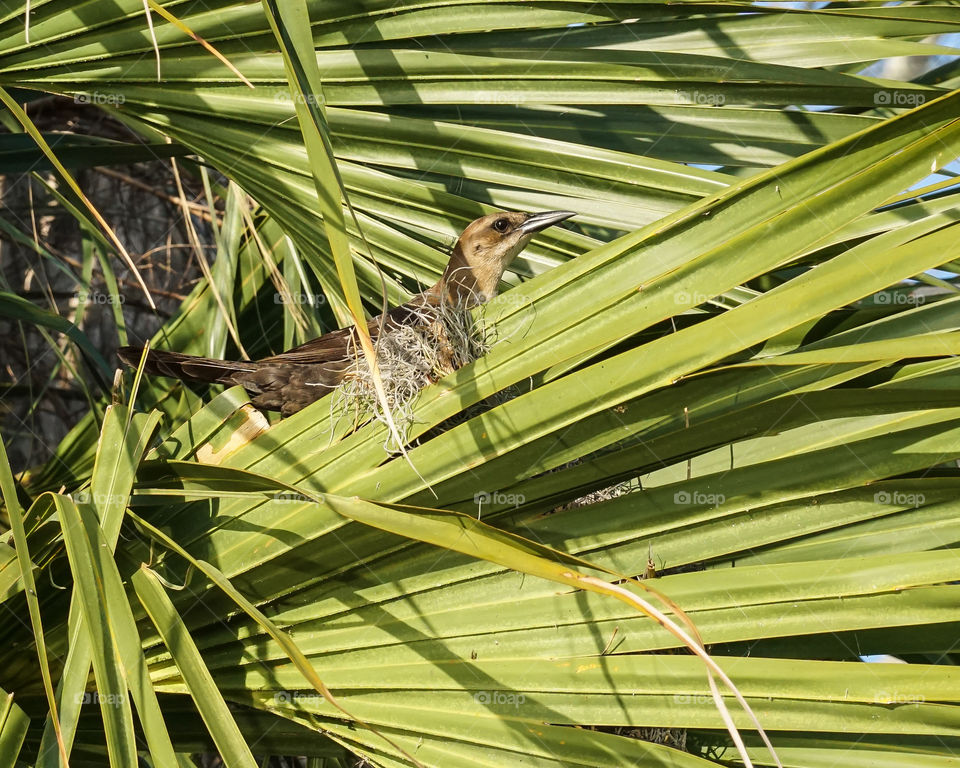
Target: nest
{"points": [[432, 342], [603, 494]]}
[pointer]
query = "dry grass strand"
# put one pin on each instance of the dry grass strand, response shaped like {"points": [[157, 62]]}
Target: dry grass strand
{"points": [[433, 341]]}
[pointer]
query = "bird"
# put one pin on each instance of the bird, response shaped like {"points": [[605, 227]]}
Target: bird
{"points": [[292, 380]]}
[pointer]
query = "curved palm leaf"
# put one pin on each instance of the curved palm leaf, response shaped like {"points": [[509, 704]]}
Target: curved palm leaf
{"points": [[743, 349]]}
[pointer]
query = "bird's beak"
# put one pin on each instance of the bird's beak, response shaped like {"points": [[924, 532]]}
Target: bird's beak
{"points": [[537, 221]]}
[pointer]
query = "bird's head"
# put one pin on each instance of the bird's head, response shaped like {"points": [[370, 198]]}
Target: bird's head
{"points": [[486, 248]]}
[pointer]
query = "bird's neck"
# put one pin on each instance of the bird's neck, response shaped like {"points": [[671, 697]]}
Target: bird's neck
{"points": [[465, 284]]}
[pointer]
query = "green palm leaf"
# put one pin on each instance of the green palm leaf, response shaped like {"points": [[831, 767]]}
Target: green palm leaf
{"points": [[760, 346]]}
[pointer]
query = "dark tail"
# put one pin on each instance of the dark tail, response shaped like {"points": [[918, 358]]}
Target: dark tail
{"points": [[186, 367]]}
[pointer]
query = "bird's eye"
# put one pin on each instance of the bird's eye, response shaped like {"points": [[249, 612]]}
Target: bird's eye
{"points": [[501, 225]]}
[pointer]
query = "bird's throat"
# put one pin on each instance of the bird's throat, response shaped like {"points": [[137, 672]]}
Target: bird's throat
{"points": [[465, 284]]}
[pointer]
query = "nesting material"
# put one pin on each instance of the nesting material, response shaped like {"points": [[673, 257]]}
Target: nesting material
{"points": [[433, 342], [670, 737], [604, 494]]}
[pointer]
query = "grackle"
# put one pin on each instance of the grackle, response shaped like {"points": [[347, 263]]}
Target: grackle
{"points": [[293, 379]]}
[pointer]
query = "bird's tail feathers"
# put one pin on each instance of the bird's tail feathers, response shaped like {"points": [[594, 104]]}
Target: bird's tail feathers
{"points": [[188, 367]]}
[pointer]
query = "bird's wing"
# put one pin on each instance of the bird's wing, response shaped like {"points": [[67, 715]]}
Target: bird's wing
{"points": [[331, 347], [339, 344]]}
